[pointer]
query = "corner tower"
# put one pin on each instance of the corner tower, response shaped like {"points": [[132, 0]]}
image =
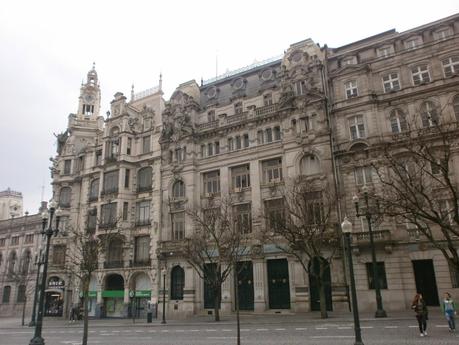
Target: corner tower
{"points": [[89, 100]]}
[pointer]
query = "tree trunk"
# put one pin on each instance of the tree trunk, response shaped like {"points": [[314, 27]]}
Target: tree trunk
{"points": [[23, 309], [85, 311], [217, 304], [322, 295]]}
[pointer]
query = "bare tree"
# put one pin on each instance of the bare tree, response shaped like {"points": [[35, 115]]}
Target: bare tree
{"points": [[419, 182], [301, 223], [82, 258], [216, 245]]}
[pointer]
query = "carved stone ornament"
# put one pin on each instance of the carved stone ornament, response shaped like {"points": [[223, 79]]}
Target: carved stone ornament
{"points": [[176, 118]]}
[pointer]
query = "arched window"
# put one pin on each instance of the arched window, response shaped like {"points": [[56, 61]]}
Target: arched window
{"points": [[177, 283], [144, 179], [429, 114], [310, 165], [94, 189], [21, 296], [398, 121], [178, 190], [26, 258], [12, 262], [456, 107], [64, 197], [115, 252], [112, 145], [6, 294]]}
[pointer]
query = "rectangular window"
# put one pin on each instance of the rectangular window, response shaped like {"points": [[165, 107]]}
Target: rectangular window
{"points": [[127, 176], [67, 166], [21, 297], [111, 182], [356, 127], [129, 146], [210, 149], [380, 274], [59, 255], [92, 220], [79, 164], [2, 242], [391, 82], [385, 51], [230, 144], [240, 177], [300, 88], [15, 240], [413, 43], [211, 116], [211, 182], [125, 210], [238, 108], [146, 144], [243, 218], [442, 34], [350, 88], [245, 140], [98, 157], [142, 216], [260, 137], [269, 135], [277, 133], [108, 214], [275, 214], [29, 238], [420, 74], [6, 294], [238, 142], [217, 147], [267, 99], [272, 170], [142, 250], [451, 66], [363, 175], [178, 226], [313, 208], [203, 151]]}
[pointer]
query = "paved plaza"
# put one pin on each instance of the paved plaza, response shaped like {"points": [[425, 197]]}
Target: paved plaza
{"points": [[299, 329]]}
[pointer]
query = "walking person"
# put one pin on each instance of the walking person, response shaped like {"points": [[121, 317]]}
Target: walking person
{"points": [[73, 314], [448, 307], [420, 308]]}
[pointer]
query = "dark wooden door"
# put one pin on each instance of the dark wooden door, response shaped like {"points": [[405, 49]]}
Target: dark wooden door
{"points": [[278, 284], [209, 292], [245, 285], [314, 293], [424, 275]]}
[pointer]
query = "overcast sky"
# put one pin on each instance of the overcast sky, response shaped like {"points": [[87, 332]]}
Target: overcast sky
{"points": [[47, 47]]}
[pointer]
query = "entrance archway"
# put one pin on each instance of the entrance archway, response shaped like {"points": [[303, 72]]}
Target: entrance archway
{"points": [[140, 283], [54, 297], [113, 296], [314, 276]]}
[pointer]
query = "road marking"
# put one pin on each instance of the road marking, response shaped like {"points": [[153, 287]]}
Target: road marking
{"points": [[345, 327], [441, 326], [391, 327], [366, 327], [321, 327], [413, 326], [139, 331], [331, 336], [262, 329], [279, 329], [301, 329], [194, 330]]}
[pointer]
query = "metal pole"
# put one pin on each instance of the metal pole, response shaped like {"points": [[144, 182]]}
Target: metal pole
{"points": [[380, 312], [35, 295], [164, 298], [236, 304], [355, 308], [37, 339]]}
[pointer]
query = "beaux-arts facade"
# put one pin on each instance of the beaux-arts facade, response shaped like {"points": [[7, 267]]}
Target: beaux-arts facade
{"points": [[315, 111]]}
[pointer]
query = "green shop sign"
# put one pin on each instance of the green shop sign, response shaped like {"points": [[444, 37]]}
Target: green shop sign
{"points": [[113, 293], [143, 293], [91, 294]]}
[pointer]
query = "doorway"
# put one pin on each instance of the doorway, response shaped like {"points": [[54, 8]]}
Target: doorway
{"points": [[278, 284], [424, 275], [245, 285], [314, 292]]}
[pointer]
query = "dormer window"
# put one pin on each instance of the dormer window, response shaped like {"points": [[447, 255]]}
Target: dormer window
{"points": [[413, 42], [442, 34], [268, 99], [211, 116], [385, 51], [350, 60], [238, 108]]}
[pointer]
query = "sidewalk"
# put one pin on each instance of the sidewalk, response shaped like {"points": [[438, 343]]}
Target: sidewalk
{"points": [[246, 318]]}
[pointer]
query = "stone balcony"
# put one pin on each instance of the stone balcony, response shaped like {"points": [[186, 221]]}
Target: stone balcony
{"points": [[380, 238], [266, 110]]}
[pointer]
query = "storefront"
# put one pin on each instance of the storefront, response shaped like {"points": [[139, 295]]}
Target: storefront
{"points": [[54, 297], [113, 296]]}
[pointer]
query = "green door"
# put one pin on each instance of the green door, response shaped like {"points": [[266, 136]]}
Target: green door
{"points": [[314, 293], [278, 284], [245, 285]]}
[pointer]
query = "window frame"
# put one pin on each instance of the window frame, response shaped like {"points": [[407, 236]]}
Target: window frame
{"points": [[351, 89], [420, 74], [357, 122], [391, 82], [272, 170], [381, 275]]}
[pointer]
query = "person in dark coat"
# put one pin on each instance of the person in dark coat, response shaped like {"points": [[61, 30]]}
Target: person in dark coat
{"points": [[420, 308]]}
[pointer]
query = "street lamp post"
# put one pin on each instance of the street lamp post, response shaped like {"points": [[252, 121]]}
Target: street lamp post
{"points": [[380, 312], [38, 262], [346, 227], [164, 271], [48, 231]]}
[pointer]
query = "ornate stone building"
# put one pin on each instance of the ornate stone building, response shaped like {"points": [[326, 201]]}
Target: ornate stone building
{"points": [[20, 242], [10, 204], [314, 112]]}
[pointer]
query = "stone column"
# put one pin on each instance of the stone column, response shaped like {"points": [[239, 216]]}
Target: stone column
{"points": [[259, 268]]}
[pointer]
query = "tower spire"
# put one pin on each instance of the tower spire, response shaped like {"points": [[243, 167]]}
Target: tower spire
{"points": [[160, 81]]}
